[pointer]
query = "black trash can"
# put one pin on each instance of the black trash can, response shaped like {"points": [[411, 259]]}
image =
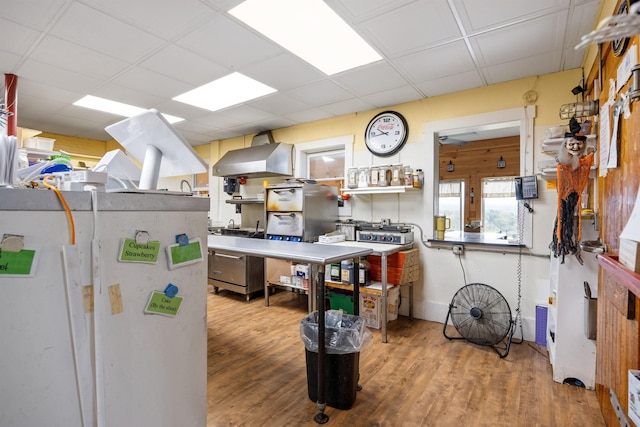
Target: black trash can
{"points": [[345, 336], [341, 378]]}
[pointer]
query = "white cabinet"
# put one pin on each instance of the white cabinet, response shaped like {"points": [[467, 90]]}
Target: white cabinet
{"points": [[571, 353]]}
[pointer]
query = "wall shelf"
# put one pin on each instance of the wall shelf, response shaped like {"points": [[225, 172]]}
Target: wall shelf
{"points": [[380, 190]]}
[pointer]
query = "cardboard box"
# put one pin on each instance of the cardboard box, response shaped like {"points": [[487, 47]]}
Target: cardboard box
{"points": [[397, 260], [629, 254], [633, 406], [370, 307], [396, 275]]}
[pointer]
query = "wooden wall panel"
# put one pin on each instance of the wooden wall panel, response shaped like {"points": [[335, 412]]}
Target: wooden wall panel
{"points": [[477, 160], [618, 340]]}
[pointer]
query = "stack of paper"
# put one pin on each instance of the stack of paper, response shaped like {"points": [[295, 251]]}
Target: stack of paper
{"points": [[8, 160]]}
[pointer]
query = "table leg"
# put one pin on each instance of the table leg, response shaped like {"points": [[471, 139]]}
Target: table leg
{"points": [[321, 417], [383, 329]]}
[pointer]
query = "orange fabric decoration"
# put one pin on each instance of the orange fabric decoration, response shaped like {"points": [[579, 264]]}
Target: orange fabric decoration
{"points": [[571, 184]]}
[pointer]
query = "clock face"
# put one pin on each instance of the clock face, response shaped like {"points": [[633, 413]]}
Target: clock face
{"points": [[386, 133], [620, 45]]}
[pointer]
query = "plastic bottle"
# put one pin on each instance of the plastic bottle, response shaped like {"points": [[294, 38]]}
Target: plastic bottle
{"points": [[417, 178], [335, 272], [374, 175], [407, 175], [346, 271], [364, 277], [352, 178]]}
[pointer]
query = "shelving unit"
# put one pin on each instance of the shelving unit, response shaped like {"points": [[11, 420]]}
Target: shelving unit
{"points": [[380, 190], [548, 170]]}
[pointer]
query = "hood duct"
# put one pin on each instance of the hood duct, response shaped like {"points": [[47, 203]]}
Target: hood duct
{"points": [[259, 161]]}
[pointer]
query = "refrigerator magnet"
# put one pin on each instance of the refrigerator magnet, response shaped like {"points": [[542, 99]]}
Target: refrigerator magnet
{"points": [[134, 250], [182, 255]]}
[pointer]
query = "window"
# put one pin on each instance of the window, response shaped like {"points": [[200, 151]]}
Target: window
{"points": [[499, 207], [326, 166], [522, 117], [451, 202]]}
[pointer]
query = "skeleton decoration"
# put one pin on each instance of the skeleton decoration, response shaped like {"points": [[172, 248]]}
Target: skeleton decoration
{"points": [[574, 164]]}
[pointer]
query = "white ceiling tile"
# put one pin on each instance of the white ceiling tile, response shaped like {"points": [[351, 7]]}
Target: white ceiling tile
{"points": [[9, 62], [95, 30], [227, 43], [56, 77], [278, 104], [436, 62], [319, 93], [16, 38], [162, 18], [146, 81], [36, 14], [66, 55], [376, 77], [310, 115], [46, 92], [393, 97], [282, 72], [181, 64], [126, 95], [522, 40], [347, 106], [477, 16], [451, 83], [531, 66], [413, 26]]}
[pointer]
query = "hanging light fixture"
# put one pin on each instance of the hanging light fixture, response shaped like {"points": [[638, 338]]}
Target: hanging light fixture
{"points": [[502, 163], [451, 167]]}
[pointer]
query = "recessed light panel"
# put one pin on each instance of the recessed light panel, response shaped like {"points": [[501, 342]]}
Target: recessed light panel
{"points": [[117, 108], [225, 92], [309, 29]]}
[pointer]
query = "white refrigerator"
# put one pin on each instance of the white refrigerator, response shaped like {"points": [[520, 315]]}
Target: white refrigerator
{"points": [[82, 344]]}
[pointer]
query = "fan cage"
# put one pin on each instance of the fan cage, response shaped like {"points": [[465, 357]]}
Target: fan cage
{"points": [[481, 314]]}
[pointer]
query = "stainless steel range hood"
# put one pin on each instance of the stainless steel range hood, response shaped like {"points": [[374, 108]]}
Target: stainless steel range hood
{"points": [[258, 161]]}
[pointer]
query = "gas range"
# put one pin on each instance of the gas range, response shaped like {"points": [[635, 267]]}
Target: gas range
{"points": [[398, 234]]}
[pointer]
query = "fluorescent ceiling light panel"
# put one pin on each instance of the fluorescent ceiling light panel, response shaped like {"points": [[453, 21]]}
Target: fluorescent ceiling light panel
{"points": [[225, 92], [309, 29], [117, 108]]}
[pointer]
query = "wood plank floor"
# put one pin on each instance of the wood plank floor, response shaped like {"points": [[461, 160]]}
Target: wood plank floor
{"points": [[257, 375]]}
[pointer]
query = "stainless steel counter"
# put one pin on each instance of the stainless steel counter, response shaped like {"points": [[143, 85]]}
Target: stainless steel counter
{"points": [[310, 253]]}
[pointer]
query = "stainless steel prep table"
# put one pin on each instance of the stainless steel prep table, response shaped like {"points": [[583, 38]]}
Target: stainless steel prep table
{"points": [[318, 255], [382, 250]]}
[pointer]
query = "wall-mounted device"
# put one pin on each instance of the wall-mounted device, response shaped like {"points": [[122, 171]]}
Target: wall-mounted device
{"points": [[526, 187], [230, 185]]}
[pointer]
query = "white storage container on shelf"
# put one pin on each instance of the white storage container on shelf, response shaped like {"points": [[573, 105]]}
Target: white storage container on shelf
{"points": [[39, 143]]}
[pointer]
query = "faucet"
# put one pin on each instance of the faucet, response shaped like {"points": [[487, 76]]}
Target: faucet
{"points": [[231, 224]]}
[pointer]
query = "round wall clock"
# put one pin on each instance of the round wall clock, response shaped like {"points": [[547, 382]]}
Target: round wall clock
{"points": [[386, 133], [620, 45]]}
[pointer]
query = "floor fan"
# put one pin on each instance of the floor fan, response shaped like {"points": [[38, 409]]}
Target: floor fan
{"points": [[482, 316], [480, 313]]}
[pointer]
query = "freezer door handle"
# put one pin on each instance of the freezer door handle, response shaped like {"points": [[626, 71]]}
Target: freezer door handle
{"points": [[230, 256]]}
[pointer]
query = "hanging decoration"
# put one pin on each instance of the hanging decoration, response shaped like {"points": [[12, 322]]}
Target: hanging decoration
{"points": [[574, 165]]}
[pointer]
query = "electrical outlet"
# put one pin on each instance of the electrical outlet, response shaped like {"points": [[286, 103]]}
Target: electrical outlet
{"points": [[458, 249]]}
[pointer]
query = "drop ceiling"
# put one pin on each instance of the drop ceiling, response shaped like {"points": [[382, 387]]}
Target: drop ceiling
{"points": [[145, 52]]}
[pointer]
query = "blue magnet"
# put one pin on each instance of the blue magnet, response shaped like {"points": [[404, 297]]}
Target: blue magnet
{"points": [[171, 290], [182, 240]]}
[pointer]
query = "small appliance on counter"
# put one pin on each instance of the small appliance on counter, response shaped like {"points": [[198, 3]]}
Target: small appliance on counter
{"points": [[349, 228], [385, 232], [300, 211]]}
